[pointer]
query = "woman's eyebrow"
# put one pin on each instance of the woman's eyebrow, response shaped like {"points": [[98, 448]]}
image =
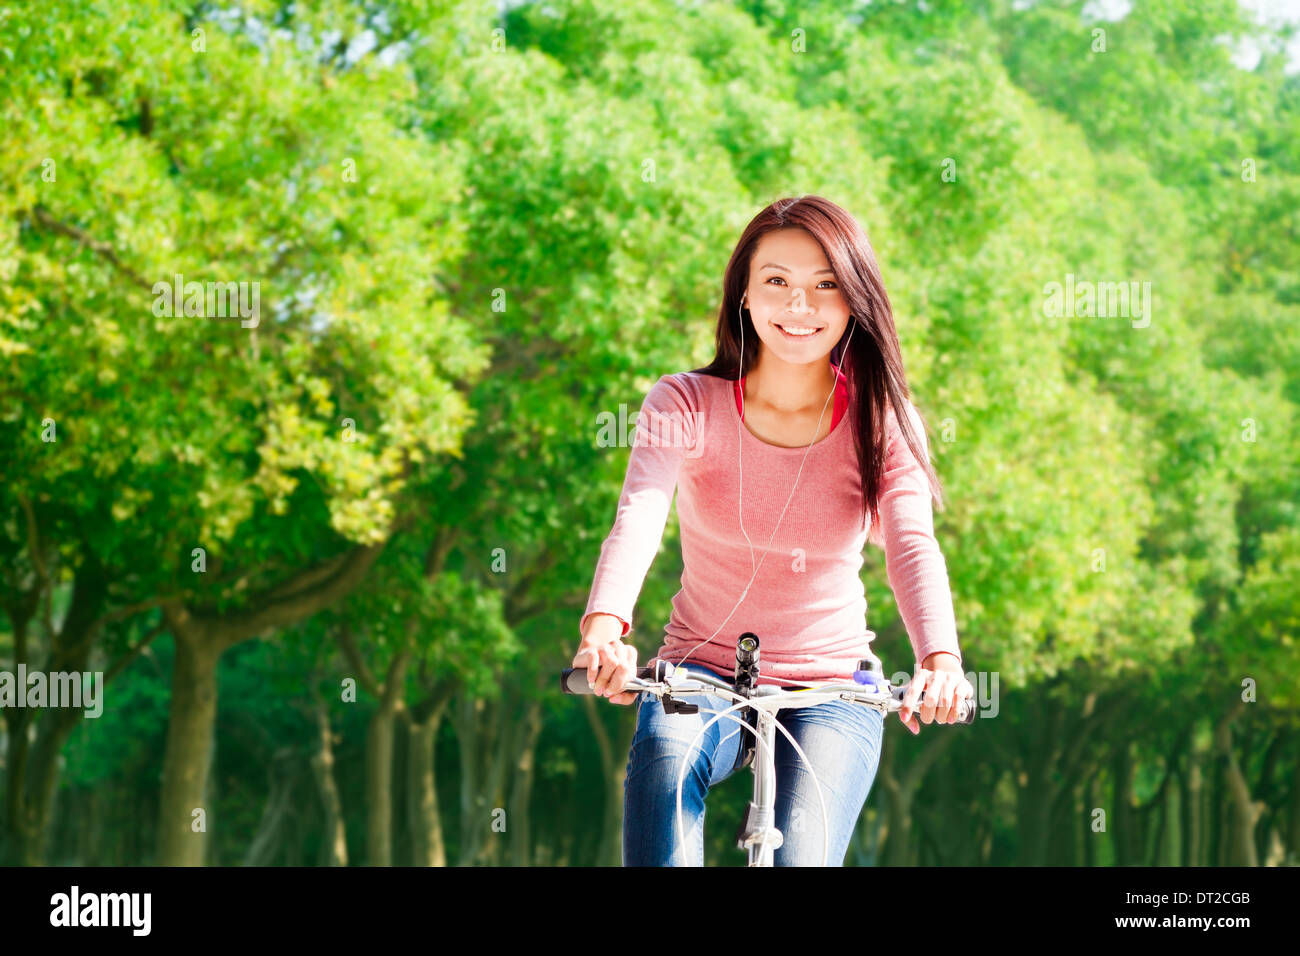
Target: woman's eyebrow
{"points": [[773, 265]]}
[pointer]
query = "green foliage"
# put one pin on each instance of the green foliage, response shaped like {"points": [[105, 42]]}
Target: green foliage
{"points": [[227, 165], [536, 231]]}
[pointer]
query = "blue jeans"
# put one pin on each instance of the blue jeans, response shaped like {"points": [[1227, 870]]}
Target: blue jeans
{"points": [[841, 740]]}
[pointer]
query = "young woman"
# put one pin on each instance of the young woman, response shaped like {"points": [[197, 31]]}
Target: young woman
{"points": [[805, 326]]}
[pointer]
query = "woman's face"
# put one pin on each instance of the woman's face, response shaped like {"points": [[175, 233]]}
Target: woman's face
{"points": [[792, 289]]}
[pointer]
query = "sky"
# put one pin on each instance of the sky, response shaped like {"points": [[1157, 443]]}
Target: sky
{"points": [[1285, 11], [1248, 53]]}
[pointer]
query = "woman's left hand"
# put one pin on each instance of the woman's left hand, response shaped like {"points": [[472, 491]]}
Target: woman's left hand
{"points": [[941, 679]]}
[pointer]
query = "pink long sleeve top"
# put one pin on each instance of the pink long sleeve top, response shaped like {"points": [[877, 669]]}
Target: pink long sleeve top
{"points": [[807, 604]]}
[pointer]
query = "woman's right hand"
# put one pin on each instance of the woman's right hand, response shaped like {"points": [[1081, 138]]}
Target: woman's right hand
{"points": [[608, 660]]}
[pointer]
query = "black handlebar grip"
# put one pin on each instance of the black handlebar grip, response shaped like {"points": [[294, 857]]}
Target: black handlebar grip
{"points": [[573, 680], [972, 711]]}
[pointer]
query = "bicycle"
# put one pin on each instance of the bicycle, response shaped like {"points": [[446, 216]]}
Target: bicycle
{"points": [[757, 834]]}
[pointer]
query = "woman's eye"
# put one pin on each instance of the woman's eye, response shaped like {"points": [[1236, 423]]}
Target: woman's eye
{"points": [[826, 281]]}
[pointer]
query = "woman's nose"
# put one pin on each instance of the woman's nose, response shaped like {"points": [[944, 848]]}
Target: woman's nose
{"points": [[799, 303]]}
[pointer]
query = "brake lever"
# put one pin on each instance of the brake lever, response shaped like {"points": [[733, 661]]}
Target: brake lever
{"points": [[662, 671]]}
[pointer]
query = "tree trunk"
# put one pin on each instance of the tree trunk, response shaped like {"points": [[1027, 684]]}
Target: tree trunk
{"points": [[612, 771], [872, 832], [901, 791], [18, 840], [91, 827], [1123, 824], [426, 822], [1034, 798], [1212, 820], [1242, 813], [1268, 843], [14, 839], [1092, 800], [53, 730], [467, 710], [522, 789], [488, 746], [898, 812], [1293, 823], [270, 837], [33, 769], [191, 719], [503, 754], [1037, 794], [1191, 808], [618, 778], [1171, 834], [334, 846], [200, 643], [379, 785]]}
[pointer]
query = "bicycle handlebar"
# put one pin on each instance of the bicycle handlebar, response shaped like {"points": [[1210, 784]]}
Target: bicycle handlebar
{"points": [[573, 680]]}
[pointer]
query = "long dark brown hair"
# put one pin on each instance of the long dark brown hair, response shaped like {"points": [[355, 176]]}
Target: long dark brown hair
{"points": [[873, 366]]}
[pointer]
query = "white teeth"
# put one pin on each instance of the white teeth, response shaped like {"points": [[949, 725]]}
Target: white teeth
{"points": [[797, 329]]}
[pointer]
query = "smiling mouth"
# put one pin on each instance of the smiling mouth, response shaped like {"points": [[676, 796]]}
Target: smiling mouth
{"points": [[795, 330]]}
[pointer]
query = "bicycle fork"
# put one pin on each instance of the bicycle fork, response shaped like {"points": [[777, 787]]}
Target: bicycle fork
{"points": [[758, 833]]}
